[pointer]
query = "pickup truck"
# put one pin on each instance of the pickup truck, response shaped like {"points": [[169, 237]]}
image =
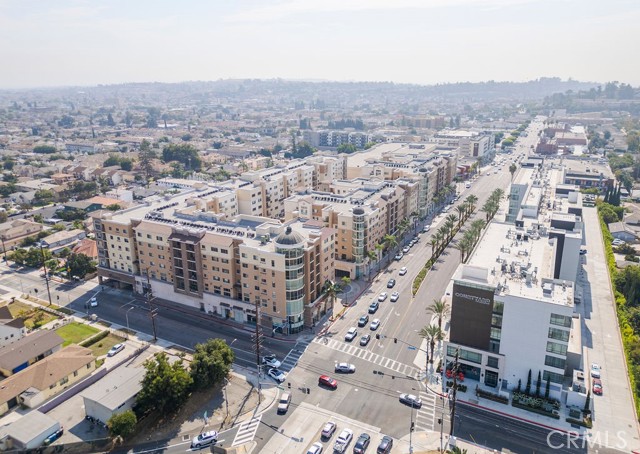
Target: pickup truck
{"points": [[343, 440]]}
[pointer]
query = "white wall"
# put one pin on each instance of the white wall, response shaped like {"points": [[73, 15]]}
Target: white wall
{"points": [[570, 258]]}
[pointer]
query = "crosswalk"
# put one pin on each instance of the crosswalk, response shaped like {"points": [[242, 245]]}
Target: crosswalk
{"points": [[425, 417], [290, 361], [246, 431], [367, 355]]}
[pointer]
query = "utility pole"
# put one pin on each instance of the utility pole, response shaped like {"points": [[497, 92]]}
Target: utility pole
{"points": [[153, 312], [4, 250], [257, 339], [46, 276], [454, 371]]}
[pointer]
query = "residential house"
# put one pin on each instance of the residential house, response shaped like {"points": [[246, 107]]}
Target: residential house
{"points": [[87, 247], [63, 238], [28, 432], [14, 231], [620, 231], [28, 350], [46, 378], [11, 329]]}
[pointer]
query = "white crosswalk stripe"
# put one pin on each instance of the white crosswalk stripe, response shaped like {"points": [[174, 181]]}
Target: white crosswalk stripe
{"points": [[425, 416], [290, 361], [246, 431]]}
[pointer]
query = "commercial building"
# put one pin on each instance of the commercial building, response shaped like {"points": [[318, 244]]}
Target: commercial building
{"points": [[475, 144], [113, 394]]}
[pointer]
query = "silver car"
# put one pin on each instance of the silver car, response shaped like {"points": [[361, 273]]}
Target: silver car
{"points": [[345, 368]]}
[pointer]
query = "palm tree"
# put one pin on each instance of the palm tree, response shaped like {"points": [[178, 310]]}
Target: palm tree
{"points": [[456, 450], [443, 231], [471, 202], [461, 209], [372, 256], [434, 243], [439, 308], [463, 246], [437, 237], [449, 225], [476, 228], [433, 334], [331, 290], [346, 280], [512, 168], [453, 219], [390, 242]]}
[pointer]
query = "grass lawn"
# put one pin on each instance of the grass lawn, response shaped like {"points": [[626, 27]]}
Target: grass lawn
{"points": [[33, 317], [74, 333], [104, 345]]}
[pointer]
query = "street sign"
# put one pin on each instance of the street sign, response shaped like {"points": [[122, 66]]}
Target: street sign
{"points": [[411, 347]]}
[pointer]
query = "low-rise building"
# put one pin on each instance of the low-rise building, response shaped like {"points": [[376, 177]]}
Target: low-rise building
{"points": [[28, 350], [14, 231], [113, 394], [11, 329], [63, 238], [28, 432]]}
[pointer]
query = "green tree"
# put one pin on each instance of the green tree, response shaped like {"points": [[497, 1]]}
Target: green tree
{"points": [[439, 308], [112, 160], [184, 153], [165, 385], [433, 334], [122, 424], [211, 363], [547, 388], [538, 384], [587, 402], [126, 164], [347, 148], [146, 155], [44, 149], [512, 169], [527, 389], [113, 207], [346, 280], [80, 265], [331, 290], [390, 242]]}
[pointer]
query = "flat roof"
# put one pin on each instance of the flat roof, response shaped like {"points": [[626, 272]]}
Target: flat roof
{"points": [[116, 387], [30, 426]]}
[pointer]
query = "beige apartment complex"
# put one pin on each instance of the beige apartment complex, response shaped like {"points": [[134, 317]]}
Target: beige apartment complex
{"points": [[261, 247]]}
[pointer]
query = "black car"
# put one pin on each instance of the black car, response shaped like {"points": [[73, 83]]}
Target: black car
{"points": [[385, 445], [391, 283], [362, 444], [373, 307], [363, 320]]}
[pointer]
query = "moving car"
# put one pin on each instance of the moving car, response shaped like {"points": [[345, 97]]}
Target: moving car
{"points": [[385, 445], [271, 361], [345, 368], [364, 340], [362, 321], [362, 443], [426, 228], [325, 380], [204, 439], [383, 296], [328, 430], [403, 271], [373, 307], [595, 370], [411, 400], [399, 256], [351, 334], [391, 283], [395, 296], [375, 324], [315, 448], [283, 404], [597, 386], [115, 349], [93, 302], [276, 374], [343, 440]]}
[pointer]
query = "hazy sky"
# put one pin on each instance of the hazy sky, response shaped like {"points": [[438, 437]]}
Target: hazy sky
{"points": [[88, 42]]}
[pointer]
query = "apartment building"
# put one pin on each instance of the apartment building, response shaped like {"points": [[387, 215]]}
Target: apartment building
{"points": [[474, 144]]}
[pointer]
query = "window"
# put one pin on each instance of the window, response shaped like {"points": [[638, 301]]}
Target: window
{"points": [[558, 349], [492, 361], [64, 381], [553, 377], [560, 320], [465, 354], [496, 333], [559, 334], [552, 361], [89, 366], [75, 374]]}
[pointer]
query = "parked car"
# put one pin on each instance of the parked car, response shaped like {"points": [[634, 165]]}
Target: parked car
{"points": [[53, 437], [315, 448], [283, 404], [406, 249], [276, 374], [395, 296], [426, 228], [597, 386], [328, 430], [583, 251], [325, 380], [364, 340], [391, 283], [271, 361], [382, 296], [204, 439], [399, 256], [345, 368], [115, 349], [385, 445], [403, 271], [362, 321], [343, 440], [411, 400], [362, 443], [351, 334], [595, 370], [373, 307], [375, 324]]}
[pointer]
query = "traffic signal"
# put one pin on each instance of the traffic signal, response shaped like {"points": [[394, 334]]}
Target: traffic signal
{"points": [[439, 420], [413, 426], [289, 384], [395, 340], [377, 336]]}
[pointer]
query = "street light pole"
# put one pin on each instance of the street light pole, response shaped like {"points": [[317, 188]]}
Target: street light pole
{"points": [[126, 315], [226, 397], [46, 276]]}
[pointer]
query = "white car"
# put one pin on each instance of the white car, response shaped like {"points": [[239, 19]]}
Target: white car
{"points": [[375, 324], [395, 296], [618, 242], [345, 368], [93, 302], [276, 374], [595, 370], [426, 228], [315, 448], [382, 296], [406, 249], [343, 440], [115, 349], [271, 361], [204, 439], [403, 271], [351, 334]]}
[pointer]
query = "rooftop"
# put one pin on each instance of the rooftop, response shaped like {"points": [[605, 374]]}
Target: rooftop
{"points": [[27, 348], [116, 387]]}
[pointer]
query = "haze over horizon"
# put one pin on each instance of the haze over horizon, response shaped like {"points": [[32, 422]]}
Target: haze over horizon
{"points": [[84, 42]]}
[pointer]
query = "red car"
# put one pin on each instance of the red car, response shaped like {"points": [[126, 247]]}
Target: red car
{"points": [[597, 387], [327, 381]]}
